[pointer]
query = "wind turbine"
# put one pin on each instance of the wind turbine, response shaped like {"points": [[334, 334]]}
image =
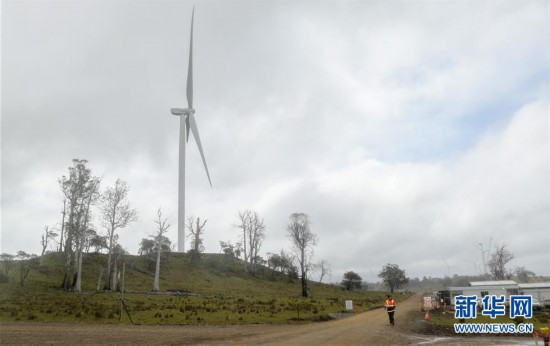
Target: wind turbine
{"points": [[447, 267], [475, 265], [485, 255], [187, 122]]}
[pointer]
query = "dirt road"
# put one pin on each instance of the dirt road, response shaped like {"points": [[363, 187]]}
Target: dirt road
{"points": [[368, 328]]}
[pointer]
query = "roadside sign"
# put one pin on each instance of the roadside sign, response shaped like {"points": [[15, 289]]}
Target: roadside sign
{"points": [[427, 302], [349, 305]]}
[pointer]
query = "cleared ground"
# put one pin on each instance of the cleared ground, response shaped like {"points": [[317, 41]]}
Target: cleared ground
{"points": [[368, 328]]}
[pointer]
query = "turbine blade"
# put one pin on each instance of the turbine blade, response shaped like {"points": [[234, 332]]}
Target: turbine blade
{"points": [[198, 140], [190, 69]]}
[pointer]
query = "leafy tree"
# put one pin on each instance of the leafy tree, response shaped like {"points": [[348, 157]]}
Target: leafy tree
{"points": [[7, 259], [87, 237], [523, 274], [275, 263], [27, 262], [303, 241], [116, 213], [146, 247], [97, 242], [230, 252], [393, 277], [351, 281], [282, 263], [148, 251], [497, 263]]}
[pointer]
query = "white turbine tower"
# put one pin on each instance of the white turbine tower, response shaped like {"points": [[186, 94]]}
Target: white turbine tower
{"points": [[187, 121]]}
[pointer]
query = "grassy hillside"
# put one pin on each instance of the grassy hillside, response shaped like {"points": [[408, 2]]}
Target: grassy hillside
{"points": [[212, 290]]}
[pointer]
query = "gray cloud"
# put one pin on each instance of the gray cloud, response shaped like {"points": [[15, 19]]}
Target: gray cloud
{"points": [[419, 124]]}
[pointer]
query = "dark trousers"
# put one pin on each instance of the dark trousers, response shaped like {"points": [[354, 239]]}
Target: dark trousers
{"points": [[390, 315]]}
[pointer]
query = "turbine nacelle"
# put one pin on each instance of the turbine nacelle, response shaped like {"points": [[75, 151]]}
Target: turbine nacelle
{"points": [[182, 111]]}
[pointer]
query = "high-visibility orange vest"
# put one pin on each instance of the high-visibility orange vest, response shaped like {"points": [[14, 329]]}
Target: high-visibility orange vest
{"points": [[390, 302]]}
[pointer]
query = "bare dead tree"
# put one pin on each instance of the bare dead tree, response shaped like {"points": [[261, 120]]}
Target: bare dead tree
{"points": [[253, 234], [255, 241], [49, 235], [92, 197], [116, 213], [497, 264], [162, 227], [62, 224], [242, 226], [196, 233], [75, 188], [324, 269], [303, 241]]}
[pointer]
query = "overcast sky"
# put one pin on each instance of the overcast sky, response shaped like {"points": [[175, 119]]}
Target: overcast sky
{"points": [[409, 131]]}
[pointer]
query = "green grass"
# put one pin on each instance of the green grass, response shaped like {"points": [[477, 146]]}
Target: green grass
{"points": [[221, 293]]}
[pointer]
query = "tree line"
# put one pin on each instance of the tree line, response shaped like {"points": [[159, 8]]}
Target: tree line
{"points": [[86, 205], [391, 275], [81, 191]]}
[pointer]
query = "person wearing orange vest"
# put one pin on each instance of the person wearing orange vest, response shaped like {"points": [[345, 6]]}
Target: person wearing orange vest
{"points": [[390, 308]]}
